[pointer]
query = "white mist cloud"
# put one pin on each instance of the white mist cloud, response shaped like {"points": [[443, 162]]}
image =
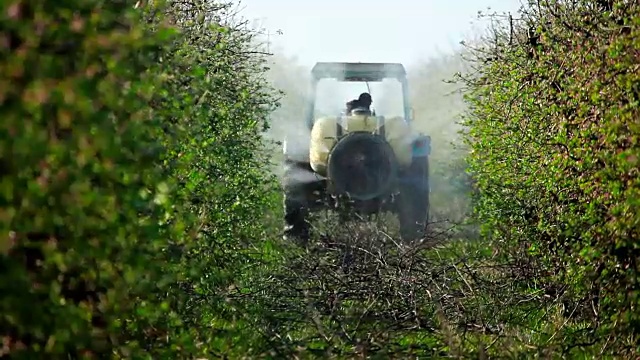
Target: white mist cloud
{"points": [[368, 30]]}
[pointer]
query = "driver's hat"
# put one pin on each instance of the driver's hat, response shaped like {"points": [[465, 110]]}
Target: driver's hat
{"points": [[365, 98]]}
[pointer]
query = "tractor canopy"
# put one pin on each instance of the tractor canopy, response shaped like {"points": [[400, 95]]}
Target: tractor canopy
{"points": [[371, 72], [335, 83]]}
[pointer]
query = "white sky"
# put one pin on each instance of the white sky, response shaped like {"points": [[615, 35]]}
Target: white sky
{"points": [[405, 31]]}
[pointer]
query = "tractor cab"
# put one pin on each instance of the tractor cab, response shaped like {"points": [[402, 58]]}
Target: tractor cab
{"points": [[335, 84]]}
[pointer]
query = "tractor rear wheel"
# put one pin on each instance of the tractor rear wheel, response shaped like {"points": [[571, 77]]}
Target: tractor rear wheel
{"points": [[413, 202], [296, 211]]}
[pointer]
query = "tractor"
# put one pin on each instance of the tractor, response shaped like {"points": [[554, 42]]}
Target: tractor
{"points": [[357, 161]]}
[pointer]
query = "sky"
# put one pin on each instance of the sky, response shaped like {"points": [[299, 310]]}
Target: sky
{"points": [[406, 31]]}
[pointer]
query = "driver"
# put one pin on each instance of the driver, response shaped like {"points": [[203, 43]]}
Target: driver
{"points": [[350, 106], [360, 105], [364, 100]]}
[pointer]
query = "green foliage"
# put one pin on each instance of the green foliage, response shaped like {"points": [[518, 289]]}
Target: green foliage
{"points": [[138, 212], [218, 102], [131, 178], [553, 128], [78, 179]]}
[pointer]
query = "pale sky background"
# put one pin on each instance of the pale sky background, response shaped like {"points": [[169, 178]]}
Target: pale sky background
{"points": [[405, 31]]}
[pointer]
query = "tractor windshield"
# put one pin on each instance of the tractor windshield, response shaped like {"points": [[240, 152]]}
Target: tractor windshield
{"points": [[332, 96]]}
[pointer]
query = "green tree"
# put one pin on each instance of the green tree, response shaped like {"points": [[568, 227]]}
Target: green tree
{"points": [[82, 195], [133, 173], [552, 121]]}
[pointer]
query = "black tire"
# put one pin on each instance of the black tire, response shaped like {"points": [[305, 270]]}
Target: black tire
{"points": [[296, 210], [413, 202]]}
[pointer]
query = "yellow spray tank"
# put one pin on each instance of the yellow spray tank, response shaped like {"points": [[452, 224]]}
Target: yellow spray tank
{"points": [[324, 136]]}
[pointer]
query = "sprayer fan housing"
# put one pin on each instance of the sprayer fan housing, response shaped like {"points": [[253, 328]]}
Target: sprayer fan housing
{"points": [[362, 166]]}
